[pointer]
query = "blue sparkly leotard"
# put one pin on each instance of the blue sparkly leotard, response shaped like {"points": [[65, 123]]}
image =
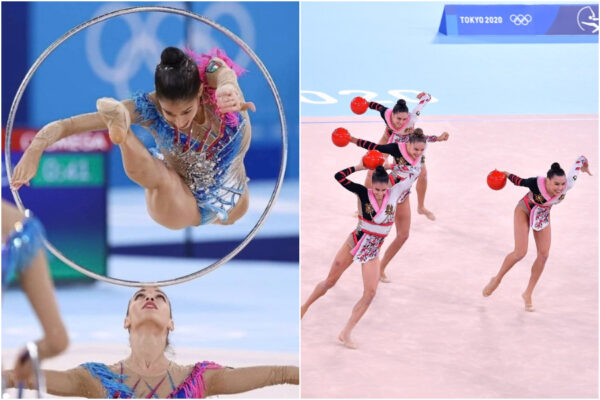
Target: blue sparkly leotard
{"points": [[206, 165], [23, 243]]}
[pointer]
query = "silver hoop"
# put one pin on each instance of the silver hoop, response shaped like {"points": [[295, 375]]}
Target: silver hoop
{"points": [[38, 374], [247, 50]]}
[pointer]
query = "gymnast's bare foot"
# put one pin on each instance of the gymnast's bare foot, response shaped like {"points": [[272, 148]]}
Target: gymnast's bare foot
{"points": [[426, 212], [384, 278], [303, 310], [527, 300], [346, 341], [490, 287], [116, 117]]}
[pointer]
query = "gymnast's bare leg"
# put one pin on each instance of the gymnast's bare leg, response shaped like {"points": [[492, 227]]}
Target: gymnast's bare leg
{"points": [[402, 222], [341, 262], [421, 189], [521, 223], [370, 272], [169, 201], [37, 285], [542, 243]]}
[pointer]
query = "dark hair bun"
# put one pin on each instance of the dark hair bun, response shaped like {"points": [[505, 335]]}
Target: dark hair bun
{"points": [[172, 57], [417, 136], [380, 175], [379, 170], [555, 169], [400, 106], [176, 77]]}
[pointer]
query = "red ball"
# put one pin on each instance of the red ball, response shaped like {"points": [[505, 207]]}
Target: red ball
{"points": [[359, 105], [372, 159], [496, 180], [340, 137]]}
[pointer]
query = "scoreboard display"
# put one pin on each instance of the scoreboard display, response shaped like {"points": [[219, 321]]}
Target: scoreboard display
{"points": [[69, 196]]}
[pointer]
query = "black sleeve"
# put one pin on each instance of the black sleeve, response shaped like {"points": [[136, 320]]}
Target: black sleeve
{"points": [[378, 107], [390, 148], [347, 183], [530, 183]]}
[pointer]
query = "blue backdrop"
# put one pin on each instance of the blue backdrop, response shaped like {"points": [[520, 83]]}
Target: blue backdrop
{"points": [[390, 50], [517, 19], [118, 57]]}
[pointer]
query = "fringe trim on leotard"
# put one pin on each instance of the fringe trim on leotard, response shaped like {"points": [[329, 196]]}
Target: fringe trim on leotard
{"points": [[110, 381], [202, 60], [193, 386]]}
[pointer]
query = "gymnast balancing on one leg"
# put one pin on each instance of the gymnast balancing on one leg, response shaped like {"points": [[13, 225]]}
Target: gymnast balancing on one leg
{"points": [[198, 118], [408, 160], [376, 216], [399, 122], [23, 254], [534, 210]]}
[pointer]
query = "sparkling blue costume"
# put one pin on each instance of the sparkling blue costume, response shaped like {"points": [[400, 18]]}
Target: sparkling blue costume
{"points": [[206, 167], [21, 246]]}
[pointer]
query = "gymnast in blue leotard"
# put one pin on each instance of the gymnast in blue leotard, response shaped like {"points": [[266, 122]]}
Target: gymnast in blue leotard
{"points": [[24, 258], [194, 173]]}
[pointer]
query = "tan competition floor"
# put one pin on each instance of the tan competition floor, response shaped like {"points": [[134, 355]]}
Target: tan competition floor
{"points": [[430, 333]]}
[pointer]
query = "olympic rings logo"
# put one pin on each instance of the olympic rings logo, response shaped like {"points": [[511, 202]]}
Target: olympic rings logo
{"points": [[520, 19], [140, 48]]}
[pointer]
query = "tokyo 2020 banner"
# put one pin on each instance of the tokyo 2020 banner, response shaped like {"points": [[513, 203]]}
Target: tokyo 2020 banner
{"points": [[513, 19]]}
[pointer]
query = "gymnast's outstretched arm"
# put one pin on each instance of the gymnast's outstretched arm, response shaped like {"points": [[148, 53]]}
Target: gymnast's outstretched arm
{"points": [[428, 138], [378, 107], [530, 183], [424, 98], [391, 148], [53, 132], [238, 380], [581, 165], [73, 382]]}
